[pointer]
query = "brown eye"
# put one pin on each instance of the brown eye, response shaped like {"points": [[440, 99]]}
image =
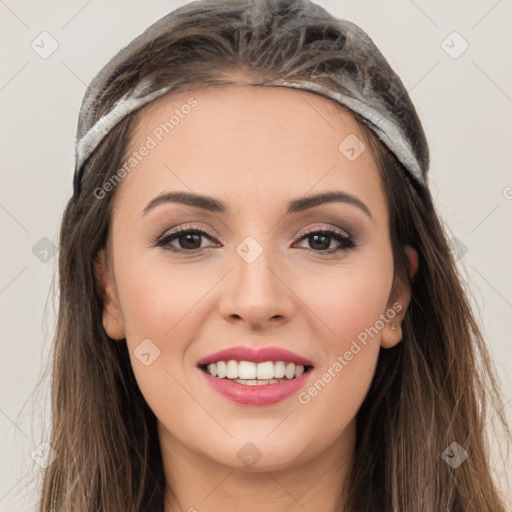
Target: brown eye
{"points": [[188, 240], [320, 240]]}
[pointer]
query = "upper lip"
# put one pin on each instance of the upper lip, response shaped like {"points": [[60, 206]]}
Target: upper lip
{"points": [[241, 353]]}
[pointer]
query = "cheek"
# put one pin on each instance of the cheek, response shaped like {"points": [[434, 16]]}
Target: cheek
{"points": [[336, 392], [351, 308], [158, 309], [348, 301], [157, 295], [162, 311], [351, 305]]}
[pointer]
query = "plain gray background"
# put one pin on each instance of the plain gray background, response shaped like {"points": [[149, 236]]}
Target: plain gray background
{"points": [[464, 99]]}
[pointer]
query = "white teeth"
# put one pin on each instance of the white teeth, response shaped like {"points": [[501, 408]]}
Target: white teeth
{"points": [[279, 368], [232, 370], [254, 373], [256, 382], [290, 371], [221, 369], [265, 371], [212, 369], [246, 370]]}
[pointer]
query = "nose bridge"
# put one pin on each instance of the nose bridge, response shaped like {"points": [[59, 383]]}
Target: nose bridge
{"points": [[255, 291]]}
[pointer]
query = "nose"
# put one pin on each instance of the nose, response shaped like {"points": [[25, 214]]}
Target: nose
{"points": [[257, 293]]}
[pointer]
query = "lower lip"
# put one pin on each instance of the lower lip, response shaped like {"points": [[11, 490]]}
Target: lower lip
{"points": [[256, 395]]}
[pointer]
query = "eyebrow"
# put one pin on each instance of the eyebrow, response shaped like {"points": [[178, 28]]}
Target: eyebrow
{"points": [[216, 206]]}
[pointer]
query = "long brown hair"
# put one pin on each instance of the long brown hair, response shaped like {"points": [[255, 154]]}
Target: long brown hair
{"points": [[427, 392]]}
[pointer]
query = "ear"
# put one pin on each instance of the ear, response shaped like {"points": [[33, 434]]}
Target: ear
{"points": [[398, 303], [113, 322]]}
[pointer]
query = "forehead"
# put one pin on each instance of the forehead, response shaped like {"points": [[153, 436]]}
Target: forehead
{"points": [[242, 102], [269, 141]]}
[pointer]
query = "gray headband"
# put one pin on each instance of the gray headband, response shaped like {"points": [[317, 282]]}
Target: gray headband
{"points": [[385, 106]]}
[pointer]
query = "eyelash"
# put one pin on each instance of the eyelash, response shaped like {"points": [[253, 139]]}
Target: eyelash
{"points": [[346, 242]]}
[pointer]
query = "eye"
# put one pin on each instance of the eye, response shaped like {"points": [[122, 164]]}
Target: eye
{"points": [[187, 239], [320, 240]]}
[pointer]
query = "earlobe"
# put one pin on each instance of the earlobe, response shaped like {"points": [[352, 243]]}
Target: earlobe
{"points": [[113, 322], [392, 333]]}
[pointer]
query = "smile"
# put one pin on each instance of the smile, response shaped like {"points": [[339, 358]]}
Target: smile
{"points": [[251, 373], [250, 383]]}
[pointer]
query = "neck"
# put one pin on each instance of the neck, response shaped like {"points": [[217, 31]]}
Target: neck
{"points": [[196, 483]]}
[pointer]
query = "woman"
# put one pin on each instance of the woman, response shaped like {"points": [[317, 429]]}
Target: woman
{"points": [[259, 309]]}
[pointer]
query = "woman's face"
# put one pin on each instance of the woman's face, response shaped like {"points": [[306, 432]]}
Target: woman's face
{"points": [[247, 163]]}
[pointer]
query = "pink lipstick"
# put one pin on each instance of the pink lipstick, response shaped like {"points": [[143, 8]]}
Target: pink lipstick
{"points": [[256, 395], [242, 353], [242, 387]]}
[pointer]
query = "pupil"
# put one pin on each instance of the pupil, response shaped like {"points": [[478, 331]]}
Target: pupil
{"points": [[188, 240], [324, 245]]}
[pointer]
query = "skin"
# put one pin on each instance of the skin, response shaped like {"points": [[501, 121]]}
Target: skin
{"points": [[255, 149]]}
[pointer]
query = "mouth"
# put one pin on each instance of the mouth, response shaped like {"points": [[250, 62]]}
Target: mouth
{"points": [[251, 373], [253, 377]]}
